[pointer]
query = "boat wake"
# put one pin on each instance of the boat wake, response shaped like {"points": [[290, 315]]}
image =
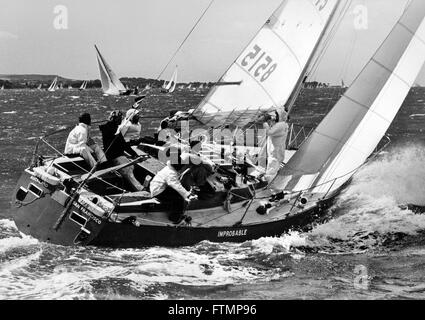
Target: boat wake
{"points": [[367, 215]]}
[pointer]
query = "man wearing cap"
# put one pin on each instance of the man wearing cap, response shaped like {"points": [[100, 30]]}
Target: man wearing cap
{"points": [[79, 142]]}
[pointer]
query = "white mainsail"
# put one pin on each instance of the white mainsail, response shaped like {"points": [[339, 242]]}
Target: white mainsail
{"points": [[270, 67], [111, 84], [2, 87], [349, 134], [53, 85]]}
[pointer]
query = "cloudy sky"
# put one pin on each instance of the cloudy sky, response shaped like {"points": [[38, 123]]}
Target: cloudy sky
{"points": [[137, 37]]}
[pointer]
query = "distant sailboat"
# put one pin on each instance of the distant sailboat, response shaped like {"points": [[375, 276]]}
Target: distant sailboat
{"points": [[111, 85], [83, 86], [148, 87], [343, 84], [171, 85], [70, 87], [39, 86], [54, 85], [2, 87], [200, 88]]}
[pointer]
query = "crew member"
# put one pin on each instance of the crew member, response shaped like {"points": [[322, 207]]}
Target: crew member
{"points": [[276, 129], [115, 146], [130, 128], [167, 188], [79, 142]]}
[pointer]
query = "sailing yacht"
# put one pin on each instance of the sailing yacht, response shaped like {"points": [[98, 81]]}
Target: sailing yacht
{"points": [[83, 86], [60, 200], [170, 86], [111, 85], [2, 87], [39, 86], [53, 85]]}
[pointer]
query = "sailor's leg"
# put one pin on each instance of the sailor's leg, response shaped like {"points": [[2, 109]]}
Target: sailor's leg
{"points": [[272, 169], [174, 202], [100, 155], [86, 154], [128, 173]]}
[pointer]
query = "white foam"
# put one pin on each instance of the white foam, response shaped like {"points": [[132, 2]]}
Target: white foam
{"points": [[370, 205]]}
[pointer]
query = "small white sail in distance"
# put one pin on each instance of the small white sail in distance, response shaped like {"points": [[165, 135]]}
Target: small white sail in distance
{"points": [[111, 85], [83, 85], [53, 85], [351, 131], [269, 69], [171, 85]]}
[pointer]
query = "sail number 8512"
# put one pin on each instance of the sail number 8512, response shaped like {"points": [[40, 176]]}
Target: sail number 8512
{"points": [[261, 70]]}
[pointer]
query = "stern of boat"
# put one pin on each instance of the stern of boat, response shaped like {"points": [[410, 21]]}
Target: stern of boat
{"points": [[37, 205]]}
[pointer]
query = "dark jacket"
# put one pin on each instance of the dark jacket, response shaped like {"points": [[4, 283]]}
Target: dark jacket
{"points": [[114, 144]]}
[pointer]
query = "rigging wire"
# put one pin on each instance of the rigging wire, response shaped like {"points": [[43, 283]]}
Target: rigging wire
{"points": [[185, 39]]}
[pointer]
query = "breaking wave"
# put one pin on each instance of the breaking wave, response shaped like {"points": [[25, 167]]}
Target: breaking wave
{"points": [[367, 215]]}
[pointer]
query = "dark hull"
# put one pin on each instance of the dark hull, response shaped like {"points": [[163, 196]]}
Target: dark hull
{"points": [[128, 235], [38, 219]]}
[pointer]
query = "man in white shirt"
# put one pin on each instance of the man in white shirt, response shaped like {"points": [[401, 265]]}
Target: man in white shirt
{"points": [[166, 187], [79, 142], [130, 127], [276, 129]]}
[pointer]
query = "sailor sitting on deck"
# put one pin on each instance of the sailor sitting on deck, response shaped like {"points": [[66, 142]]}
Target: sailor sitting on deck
{"points": [[197, 168], [130, 128], [79, 142], [165, 135], [115, 147], [166, 186]]}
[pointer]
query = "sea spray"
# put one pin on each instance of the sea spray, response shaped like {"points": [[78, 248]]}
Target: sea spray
{"points": [[367, 213]]}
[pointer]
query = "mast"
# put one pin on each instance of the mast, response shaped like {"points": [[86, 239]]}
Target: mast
{"points": [[304, 74]]}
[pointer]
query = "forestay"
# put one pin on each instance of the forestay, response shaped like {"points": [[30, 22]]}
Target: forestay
{"points": [[271, 65], [352, 130], [110, 82]]}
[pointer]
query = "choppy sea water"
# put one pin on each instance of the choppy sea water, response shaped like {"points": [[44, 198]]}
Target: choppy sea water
{"points": [[369, 248]]}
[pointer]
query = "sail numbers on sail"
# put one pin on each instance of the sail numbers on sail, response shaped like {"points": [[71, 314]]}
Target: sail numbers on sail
{"points": [[263, 69]]}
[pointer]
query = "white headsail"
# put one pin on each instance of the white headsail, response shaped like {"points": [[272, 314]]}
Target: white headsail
{"points": [[111, 84], [270, 67], [352, 130]]}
